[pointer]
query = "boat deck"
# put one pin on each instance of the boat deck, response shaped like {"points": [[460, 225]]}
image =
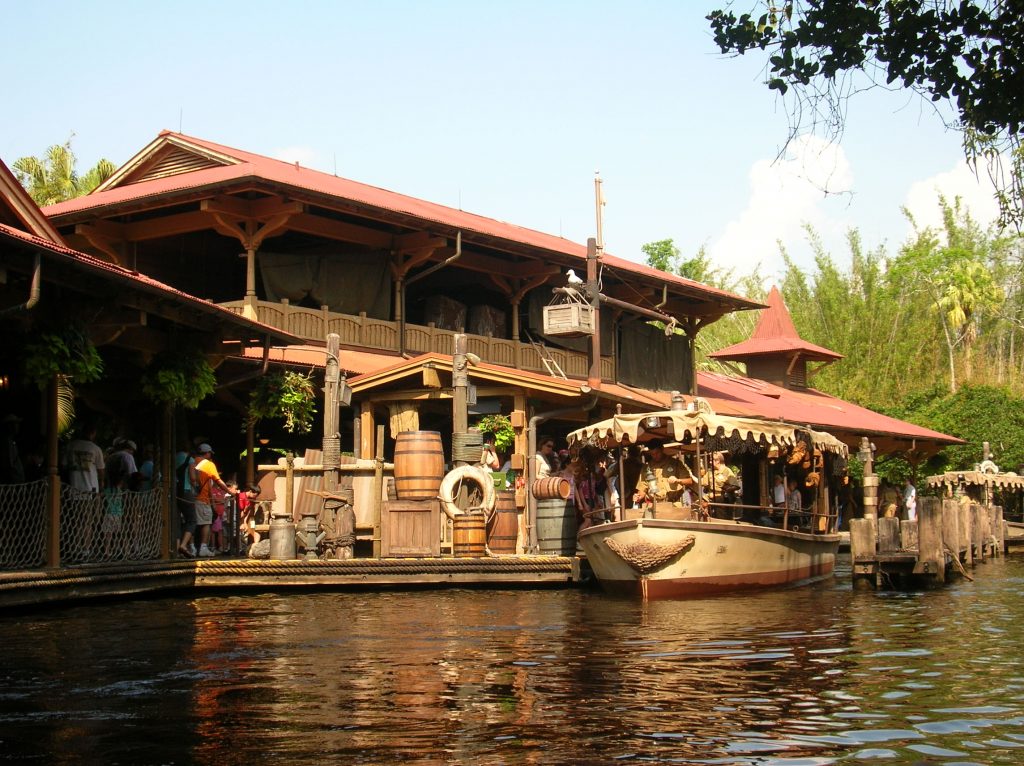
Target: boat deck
{"points": [[44, 586]]}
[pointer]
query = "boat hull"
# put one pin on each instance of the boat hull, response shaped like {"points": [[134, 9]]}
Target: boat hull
{"points": [[660, 558]]}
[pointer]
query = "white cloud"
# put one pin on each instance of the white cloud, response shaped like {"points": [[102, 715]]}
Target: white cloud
{"points": [[975, 192], [785, 195], [304, 155]]}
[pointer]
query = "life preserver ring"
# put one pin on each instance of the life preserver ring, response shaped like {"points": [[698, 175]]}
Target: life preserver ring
{"points": [[987, 466], [454, 479]]}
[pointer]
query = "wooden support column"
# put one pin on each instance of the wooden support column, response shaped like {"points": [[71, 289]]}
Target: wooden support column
{"points": [[52, 477], [249, 305], [998, 531], [378, 490], [862, 551], [594, 296], [460, 385], [332, 415], [951, 527], [250, 453], [366, 430], [966, 545], [167, 480]]}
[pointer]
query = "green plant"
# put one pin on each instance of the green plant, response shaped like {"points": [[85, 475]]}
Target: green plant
{"points": [[289, 395], [501, 427], [65, 351], [181, 378]]}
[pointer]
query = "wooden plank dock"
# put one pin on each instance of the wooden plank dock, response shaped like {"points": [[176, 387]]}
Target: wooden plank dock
{"points": [[947, 537], [69, 584]]}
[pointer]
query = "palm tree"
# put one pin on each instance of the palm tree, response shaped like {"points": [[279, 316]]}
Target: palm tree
{"points": [[52, 178]]}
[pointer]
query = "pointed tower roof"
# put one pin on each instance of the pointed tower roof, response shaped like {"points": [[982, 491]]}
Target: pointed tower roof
{"points": [[775, 334]]}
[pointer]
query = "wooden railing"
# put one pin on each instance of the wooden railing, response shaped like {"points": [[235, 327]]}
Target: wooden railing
{"points": [[366, 332]]}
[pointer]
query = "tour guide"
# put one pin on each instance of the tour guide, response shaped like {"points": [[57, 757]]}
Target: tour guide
{"points": [[668, 472]]}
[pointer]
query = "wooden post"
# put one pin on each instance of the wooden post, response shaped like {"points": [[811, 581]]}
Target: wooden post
{"points": [[249, 304], [332, 416], [964, 524], [170, 503], [52, 477], [378, 490], [366, 447], [862, 551], [888, 535], [951, 527], [909, 535], [998, 531], [460, 384], [930, 558], [977, 534], [250, 454], [594, 296], [289, 485]]}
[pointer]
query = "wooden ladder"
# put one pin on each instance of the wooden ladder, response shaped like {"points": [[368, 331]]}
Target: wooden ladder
{"points": [[549, 362]]}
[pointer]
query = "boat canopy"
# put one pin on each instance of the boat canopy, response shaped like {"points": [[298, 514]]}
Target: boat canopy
{"points": [[978, 478], [719, 431]]}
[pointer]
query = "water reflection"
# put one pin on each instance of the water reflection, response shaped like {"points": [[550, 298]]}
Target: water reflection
{"points": [[806, 676]]}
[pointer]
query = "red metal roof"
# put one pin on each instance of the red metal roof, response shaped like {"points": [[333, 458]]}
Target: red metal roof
{"points": [[143, 282], [747, 396], [258, 167], [775, 334]]}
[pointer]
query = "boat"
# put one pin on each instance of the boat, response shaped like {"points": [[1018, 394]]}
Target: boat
{"points": [[723, 547]]}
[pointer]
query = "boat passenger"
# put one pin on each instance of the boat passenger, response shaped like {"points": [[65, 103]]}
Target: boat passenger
{"points": [[794, 502]]}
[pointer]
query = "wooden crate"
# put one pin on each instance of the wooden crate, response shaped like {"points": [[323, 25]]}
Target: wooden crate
{"points": [[410, 528], [570, 320]]}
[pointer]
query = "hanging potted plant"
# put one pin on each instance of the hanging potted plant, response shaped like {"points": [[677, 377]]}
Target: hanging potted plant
{"points": [[64, 354], [501, 427], [179, 378], [289, 395]]}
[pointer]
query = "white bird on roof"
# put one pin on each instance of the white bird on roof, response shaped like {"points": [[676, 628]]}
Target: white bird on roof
{"points": [[572, 279]]}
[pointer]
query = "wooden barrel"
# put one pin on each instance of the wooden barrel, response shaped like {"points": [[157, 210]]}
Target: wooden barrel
{"points": [[551, 488], [504, 531], [556, 527], [469, 536], [419, 465]]}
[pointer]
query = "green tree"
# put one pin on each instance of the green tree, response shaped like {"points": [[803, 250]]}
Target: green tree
{"points": [[53, 178], [662, 255], [956, 52]]}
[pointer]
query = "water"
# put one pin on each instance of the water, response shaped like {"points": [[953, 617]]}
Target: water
{"points": [[814, 675]]}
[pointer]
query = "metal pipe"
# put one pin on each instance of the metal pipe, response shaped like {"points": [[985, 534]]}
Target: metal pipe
{"points": [[531, 437], [34, 291], [403, 284], [637, 309]]}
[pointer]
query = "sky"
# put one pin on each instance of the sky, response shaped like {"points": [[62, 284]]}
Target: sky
{"points": [[502, 109]]}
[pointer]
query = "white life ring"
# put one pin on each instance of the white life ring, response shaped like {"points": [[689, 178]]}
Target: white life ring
{"points": [[454, 478], [987, 466]]}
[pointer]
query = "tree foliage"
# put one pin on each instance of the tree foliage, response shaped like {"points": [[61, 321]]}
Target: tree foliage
{"points": [[288, 395], [182, 378], [53, 177], [963, 53]]}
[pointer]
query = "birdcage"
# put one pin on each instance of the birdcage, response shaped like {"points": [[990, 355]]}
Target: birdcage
{"points": [[568, 315]]}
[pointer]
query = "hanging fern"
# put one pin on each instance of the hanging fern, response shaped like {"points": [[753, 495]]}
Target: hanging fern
{"points": [[64, 351], [182, 378], [289, 395], [501, 427]]}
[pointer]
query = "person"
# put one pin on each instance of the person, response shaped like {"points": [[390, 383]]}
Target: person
{"points": [[779, 492], [149, 476], [631, 468], [890, 500], [247, 510], [794, 502], [545, 462], [113, 512], [489, 460], [83, 460], [185, 485], [662, 479], [910, 499], [208, 477], [121, 462], [721, 482], [11, 469]]}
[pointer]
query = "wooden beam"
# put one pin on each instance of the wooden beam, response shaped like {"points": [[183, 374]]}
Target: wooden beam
{"points": [[167, 226], [103, 238], [259, 209], [346, 232], [416, 257], [417, 239]]}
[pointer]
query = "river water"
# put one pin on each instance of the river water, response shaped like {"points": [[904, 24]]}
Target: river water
{"points": [[812, 675]]}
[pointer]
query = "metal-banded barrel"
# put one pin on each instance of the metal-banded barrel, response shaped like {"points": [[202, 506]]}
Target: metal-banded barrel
{"points": [[504, 530], [469, 536], [419, 464], [551, 488], [556, 527], [467, 445]]}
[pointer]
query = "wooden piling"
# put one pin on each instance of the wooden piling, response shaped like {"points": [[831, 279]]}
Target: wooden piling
{"points": [[998, 531], [930, 558], [951, 527], [888, 535], [977, 533], [862, 551], [965, 533], [908, 535]]}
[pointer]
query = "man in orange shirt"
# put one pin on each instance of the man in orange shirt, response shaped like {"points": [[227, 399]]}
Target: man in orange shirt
{"points": [[208, 475]]}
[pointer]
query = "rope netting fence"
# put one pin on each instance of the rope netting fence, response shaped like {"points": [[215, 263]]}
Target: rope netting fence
{"points": [[115, 525], [23, 525]]}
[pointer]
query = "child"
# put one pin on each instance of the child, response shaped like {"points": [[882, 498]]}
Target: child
{"points": [[246, 511], [113, 514], [217, 497]]}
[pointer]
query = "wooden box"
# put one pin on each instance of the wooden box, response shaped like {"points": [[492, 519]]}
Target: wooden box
{"points": [[569, 320], [409, 528]]}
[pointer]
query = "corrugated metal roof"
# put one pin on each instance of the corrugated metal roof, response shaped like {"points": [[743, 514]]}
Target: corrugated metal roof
{"points": [[775, 334], [257, 167], [141, 281]]}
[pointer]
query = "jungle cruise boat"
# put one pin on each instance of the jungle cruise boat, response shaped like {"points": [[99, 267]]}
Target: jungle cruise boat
{"points": [[725, 539]]}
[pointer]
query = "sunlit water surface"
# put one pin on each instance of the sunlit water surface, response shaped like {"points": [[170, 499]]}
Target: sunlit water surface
{"points": [[813, 675]]}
